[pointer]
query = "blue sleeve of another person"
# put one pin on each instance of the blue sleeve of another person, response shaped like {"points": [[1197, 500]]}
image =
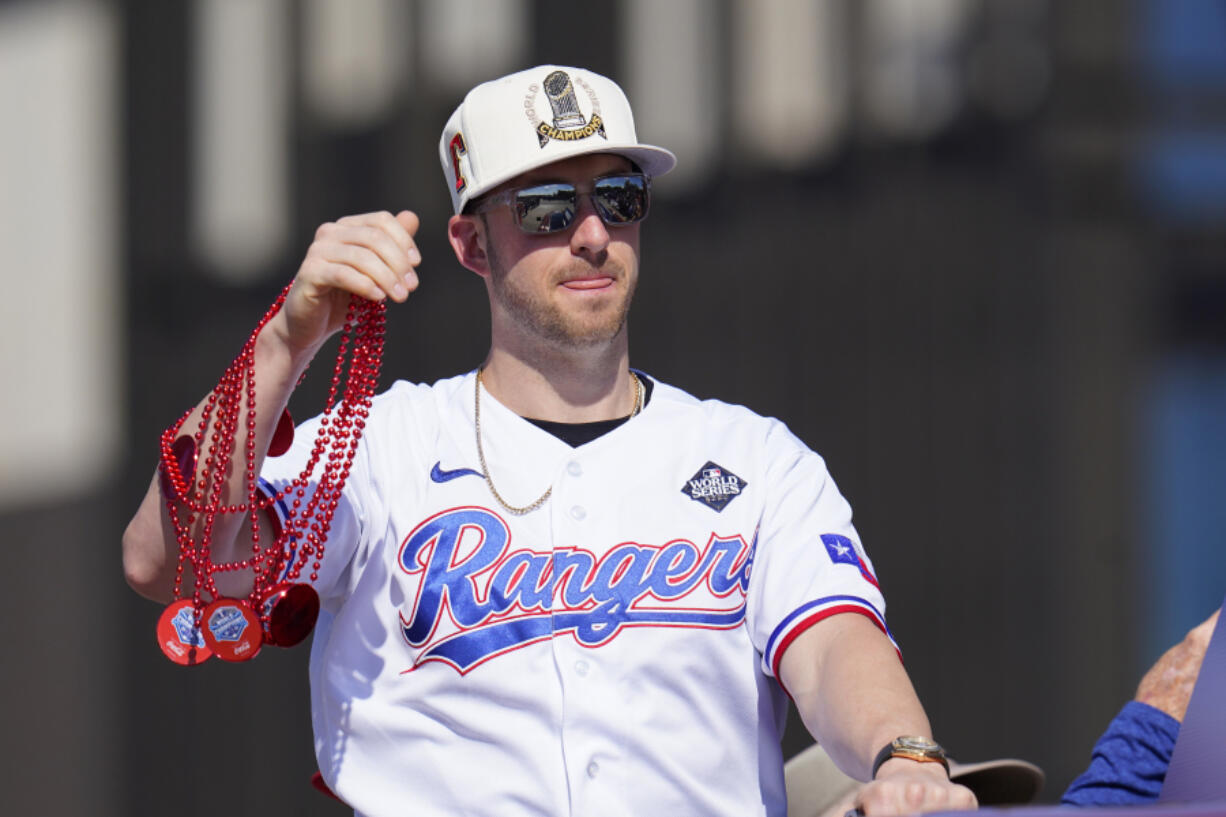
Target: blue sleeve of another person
{"points": [[1129, 761]]}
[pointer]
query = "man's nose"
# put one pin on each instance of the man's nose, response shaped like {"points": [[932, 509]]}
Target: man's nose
{"points": [[590, 235]]}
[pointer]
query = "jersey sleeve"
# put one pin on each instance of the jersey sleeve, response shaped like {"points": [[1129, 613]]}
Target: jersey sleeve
{"points": [[808, 560], [1128, 764], [346, 531]]}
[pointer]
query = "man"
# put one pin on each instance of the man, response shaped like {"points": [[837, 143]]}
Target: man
{"points": [[1129, 761], [537, 595]]}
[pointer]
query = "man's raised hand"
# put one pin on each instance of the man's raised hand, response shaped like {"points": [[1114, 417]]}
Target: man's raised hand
{"points": [[372, 255]]}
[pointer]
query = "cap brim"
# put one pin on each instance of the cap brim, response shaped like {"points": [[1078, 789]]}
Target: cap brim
{"points": [[1005, 781]]}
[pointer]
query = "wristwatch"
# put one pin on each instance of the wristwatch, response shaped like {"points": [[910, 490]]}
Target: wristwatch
{"points": [[912, 747]]}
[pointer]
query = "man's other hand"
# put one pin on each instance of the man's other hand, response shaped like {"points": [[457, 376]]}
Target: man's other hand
{"points": [[1168, 684], [906, 787]]}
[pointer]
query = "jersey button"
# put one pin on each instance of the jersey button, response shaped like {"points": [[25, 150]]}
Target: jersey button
{"points": [[574, 469], [593, 769], [577, 513], [582, 667]]}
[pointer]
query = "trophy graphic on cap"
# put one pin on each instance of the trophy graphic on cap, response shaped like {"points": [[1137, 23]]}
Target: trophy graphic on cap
{"points": [[561, 93], [569, 123]]}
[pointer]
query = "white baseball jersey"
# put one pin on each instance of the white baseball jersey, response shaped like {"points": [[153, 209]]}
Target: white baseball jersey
{"points": [[612, 652]]}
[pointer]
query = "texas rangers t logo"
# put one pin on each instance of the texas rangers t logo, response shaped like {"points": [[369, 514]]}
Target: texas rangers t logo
{"points": [[477, 598]]}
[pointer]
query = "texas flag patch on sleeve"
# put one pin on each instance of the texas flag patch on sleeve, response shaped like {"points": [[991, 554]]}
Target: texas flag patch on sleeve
{"points": [[843, 551]]}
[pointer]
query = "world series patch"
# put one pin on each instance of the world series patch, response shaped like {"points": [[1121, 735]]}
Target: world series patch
{"points": [[714, 486]]}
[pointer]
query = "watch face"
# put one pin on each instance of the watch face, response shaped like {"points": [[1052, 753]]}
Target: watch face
{"points": [[913, 743]]}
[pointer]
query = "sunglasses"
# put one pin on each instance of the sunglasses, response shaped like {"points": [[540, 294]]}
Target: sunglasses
{"points": [[548, 208]]}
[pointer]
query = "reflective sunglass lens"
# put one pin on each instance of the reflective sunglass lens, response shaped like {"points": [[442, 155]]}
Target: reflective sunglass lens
{"points": [[621, 199], [545, 209], [548, 208]]}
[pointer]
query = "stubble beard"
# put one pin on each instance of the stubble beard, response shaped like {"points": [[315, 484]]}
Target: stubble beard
{"points": [[534, 311]]}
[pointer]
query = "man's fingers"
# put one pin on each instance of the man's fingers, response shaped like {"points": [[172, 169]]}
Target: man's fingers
{"points": [[395, 248], [393, 252], [332, 275], [372, 255], [384, 262], [400, 228], [368, 263], [408, 219], [885, 797], [392, 227], [376, 245]]}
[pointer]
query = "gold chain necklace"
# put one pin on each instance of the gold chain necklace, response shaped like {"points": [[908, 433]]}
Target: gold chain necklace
{"points": [[485, 469]]}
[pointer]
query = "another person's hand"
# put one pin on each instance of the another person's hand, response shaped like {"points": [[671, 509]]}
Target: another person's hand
{"points": [[1168, 684], [905, 787], [372, 255]]}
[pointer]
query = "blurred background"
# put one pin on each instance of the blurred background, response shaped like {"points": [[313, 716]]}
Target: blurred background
{"points": [[972, 251]]}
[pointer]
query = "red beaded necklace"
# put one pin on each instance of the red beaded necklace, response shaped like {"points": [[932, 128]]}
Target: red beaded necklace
{"points": [[277, 611]]}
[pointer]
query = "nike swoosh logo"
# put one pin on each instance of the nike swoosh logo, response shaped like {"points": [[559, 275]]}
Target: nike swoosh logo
{"points": [[439, 475]]}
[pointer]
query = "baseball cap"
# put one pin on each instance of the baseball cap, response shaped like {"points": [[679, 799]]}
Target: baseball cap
{"points": [[1001, 782], [815, 786], [511, 125]]}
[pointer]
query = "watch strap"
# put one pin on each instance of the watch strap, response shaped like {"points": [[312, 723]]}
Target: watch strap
{"points": [[893, 749]]}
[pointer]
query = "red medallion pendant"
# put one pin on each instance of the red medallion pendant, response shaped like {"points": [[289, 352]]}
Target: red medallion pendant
{"points": [[179, 635], [231, 630], [282, 435], [289, 612]]}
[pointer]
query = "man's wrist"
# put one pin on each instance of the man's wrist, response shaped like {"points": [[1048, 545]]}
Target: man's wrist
{"points": [[282, 361], [275, 340]]}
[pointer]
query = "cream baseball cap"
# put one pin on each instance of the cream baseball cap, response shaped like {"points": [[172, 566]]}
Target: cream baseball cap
{"points": [[511, 125]]}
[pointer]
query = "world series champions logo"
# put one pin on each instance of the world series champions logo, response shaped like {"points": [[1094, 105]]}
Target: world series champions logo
{"points": [[568, 123], [478, 598]]}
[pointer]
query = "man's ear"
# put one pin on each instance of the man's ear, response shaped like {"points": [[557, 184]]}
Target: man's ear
{"points": [[467, 237]]}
